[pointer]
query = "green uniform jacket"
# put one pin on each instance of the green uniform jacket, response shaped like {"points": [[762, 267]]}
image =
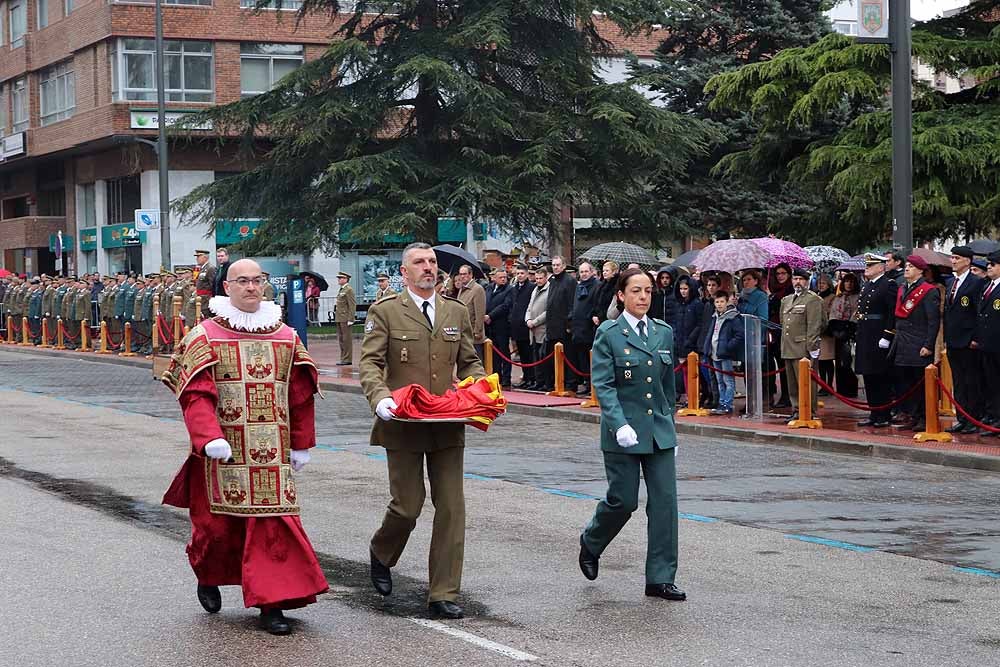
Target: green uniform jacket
{"points": [[347, 304], [635, 384], [84, 309], [69, 305], [35, 304], [57, 301], [48, 299], [399, 349], [802, 323]]}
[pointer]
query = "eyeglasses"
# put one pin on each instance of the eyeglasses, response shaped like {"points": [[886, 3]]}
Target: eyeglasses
{"points": [[245, 282]]}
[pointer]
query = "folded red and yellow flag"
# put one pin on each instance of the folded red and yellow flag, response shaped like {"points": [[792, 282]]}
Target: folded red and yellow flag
{"points": [[480, 401]]}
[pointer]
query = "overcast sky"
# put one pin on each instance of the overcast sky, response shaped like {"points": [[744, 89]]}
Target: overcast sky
{"points": [[919, 9]]}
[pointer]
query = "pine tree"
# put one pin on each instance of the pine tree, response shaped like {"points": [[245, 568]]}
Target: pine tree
{"points": [[420, 109], [956, 136]]}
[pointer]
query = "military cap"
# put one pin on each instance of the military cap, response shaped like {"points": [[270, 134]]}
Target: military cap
{"points": [[36, 281], [200, 252], [521, 266], [168, 273], [801, 273], [141, 279], [383, 274], [917, 261], [993, 257], [874, 258], [979, 263], [266, 274], [344, 274], [962, 251]]}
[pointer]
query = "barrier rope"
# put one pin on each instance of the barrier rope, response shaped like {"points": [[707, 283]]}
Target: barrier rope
{"points": [[68, 336], [858, 405], [112, 341], [53, 332], [32, 332], [139, 338], [972, 420], [575, 369], [738, 374], [520, 365], [166, 337]]}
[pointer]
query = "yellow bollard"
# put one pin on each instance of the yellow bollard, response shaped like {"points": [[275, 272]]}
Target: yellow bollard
{"points": [[488, 356], [85, 336], [694, 408], [805, 419], [25, 332], [104, 339], [945, 408], [127, 343], [11, 334], [933, 433], [45, 333], [197, 310], [60, 335], [592, 401], [560, 374]]}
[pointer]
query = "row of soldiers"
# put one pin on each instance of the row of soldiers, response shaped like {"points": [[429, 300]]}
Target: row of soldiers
{"points": [[52, 299]]}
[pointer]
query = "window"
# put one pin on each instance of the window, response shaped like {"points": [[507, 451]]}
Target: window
{"points": [[846, 27], [124, 196], [18, 22], [286, 5], [57, 88], [203, 3], [68, 7], [88, 204], [189, 70], [19, 103], [3, 109], [263, 65], [42, 6]]}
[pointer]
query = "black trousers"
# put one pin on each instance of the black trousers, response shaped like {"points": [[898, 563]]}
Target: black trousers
{"points": [[500, 366], [543, 372], [906, 377], [581, 358], [847, 381], [569, 377], [970, 379], [991, 401], [527, 354], [879, 391]]}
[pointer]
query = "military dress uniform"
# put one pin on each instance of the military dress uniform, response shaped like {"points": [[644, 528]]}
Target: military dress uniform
{"points": [[802, 323], [961, 314], [987, 338], [84, 309], [633, 374], [344, 315], [402, 347], [918, 319], [48, 302], [35, 313], [204, 285], [876, 321]]}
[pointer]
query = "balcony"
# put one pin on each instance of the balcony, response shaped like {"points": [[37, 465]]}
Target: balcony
{"points": [[13, 145], [29, 232]]}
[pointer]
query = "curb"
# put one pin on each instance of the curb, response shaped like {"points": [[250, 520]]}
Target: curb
{"points": [[900, 453]]}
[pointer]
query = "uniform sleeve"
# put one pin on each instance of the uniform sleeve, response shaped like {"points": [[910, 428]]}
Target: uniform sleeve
{"points": [[602, 376], [371, 366], [932, 308], [302, 406], [199, 400], [815, 320]]}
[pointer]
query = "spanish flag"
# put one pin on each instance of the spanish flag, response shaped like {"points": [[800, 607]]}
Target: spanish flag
{"points": [[479, 402]]}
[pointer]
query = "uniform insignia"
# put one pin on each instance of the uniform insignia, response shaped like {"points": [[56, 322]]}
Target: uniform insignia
{"points": [[369, 326], [965, 301], [628, 375], [451, 331], [628, 351], [996, 304], [908, 305]]}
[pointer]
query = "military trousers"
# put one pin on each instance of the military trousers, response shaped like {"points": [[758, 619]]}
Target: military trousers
{"points": [[346, 342], [792, 370], [445, 471], [622, 499], [968, 378]]}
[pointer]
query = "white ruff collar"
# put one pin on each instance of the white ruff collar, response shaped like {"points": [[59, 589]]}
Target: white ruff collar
{"points": [[266, 317]]}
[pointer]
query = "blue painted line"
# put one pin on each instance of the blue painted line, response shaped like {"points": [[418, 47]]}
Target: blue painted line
{"points": [[470, 475], [568, 494], [831, 543], [330, 448], [980, 571], [377, 457], [696, 517]]}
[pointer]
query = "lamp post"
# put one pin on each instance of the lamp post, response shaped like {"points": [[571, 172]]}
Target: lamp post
{"points": [[902, 126], [161, 148]]}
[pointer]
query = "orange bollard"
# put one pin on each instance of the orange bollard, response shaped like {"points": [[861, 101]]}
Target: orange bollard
{"points": [[693, 389], [25, 332], [931, 402], [45, 333], [154, 330], [11, 335], [85, 336], [560, 374], [805, 419], [592, 401], [945, 408], [197, 311], [104, 339], [488, 356], [178, 329], [127, 343], [60, 335]]}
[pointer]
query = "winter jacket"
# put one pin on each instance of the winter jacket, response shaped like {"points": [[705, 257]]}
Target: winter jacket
{"points": [[730, 343]]}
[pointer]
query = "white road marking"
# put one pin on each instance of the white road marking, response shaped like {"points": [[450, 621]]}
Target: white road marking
{"points": [[476, 640]]}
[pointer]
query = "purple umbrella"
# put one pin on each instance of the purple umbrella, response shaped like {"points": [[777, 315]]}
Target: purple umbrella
{"points": [[732, 255], [781, 251]]}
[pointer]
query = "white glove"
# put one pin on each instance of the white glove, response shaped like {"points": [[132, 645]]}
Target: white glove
{"points": [[883, 343], [350, 323], [814, 354], [626, 436], [386, 409], [219, 449], [300, 457]]}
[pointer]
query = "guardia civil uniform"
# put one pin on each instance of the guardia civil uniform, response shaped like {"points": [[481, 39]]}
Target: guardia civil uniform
{"points": [[401, 347]]}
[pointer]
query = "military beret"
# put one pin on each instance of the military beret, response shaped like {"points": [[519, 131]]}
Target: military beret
{"points": [[801, 273], [343, 274], [993, 257], [917, 261], [962, 251]]}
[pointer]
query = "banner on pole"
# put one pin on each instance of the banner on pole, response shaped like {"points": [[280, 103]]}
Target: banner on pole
{"points": [[873, 19]]}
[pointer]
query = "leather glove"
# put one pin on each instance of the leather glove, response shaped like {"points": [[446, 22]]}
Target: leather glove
{"points": [[386, 409], [814, 354], [883, 343], [626, 436], [219, 449], [300, 457]]}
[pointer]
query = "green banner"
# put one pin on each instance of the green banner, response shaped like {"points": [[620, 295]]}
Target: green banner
{"points": [[67, 242], [88, 239], [229, 232], [451, 230], [119, 236]]}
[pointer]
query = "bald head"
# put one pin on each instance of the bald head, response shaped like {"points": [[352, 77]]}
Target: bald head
{"points": [[243, 267], [245, 285]]}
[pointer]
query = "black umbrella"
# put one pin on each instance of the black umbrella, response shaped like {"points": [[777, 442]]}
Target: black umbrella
{"points": [[320, 280], [687, 259], [984, 247], [450, 258]]}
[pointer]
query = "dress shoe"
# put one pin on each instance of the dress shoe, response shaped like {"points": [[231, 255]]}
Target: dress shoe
{"points": [[273, 621], [988, 434], [867, 422], [210, 598], [381, 576], [444, 609], [588, 561], [917, 427], [793, 416], [882, 424], [665, 591], [901, 418], [344, 363], [957, 427], [505, 387], [968, 429], [782, 403], [904, 424]]}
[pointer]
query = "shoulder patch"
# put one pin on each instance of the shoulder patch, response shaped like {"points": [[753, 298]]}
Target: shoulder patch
{"points": [[369, 326], [661, 322]]}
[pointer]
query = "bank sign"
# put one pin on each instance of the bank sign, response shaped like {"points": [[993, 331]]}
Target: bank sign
{"points": [[150, 120], [120, 236]]}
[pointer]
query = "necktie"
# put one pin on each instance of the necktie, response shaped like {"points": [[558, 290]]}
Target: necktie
{"points": [[989, 290], [642, 330], [954, 291], [427, 316]]}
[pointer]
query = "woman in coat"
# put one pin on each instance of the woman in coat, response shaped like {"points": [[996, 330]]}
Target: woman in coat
{"points": [[534, 317], [827, 344], [688, 321], [779, 286], [633, 375], [842, 327]]}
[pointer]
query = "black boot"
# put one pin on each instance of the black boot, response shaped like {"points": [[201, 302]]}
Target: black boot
{"points": [[274, 622], [381, 576], [210, 598]]}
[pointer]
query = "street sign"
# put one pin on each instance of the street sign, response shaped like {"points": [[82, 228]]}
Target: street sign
{"points": [[147, 219], [130, 236], [873, 19]]}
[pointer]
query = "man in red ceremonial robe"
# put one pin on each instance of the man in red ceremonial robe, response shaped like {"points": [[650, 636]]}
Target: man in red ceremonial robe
{"points": [[245, 384]]}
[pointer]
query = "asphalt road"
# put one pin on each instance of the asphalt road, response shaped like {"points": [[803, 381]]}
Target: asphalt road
{"points": [[95, 571]]}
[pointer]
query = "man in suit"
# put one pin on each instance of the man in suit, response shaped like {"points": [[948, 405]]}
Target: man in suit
{"points": [[582, 328], [987, 340], [558, 309], [961, 313], [473, 296], [419, 337], [222, 262], [634, 377], [519, 300], [918, 318], [497, 321], [347, 305], [802, 323], [876, 322]]}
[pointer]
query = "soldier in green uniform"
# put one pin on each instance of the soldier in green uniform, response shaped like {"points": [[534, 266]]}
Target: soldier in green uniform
{"points": [[189, 299], [48, 301], [383, 289], [419, 337], [138, 326], [204, 282], [344, 315], [35, 294], [802, 323], [68, 314], [269, 292], [117, 301], [146, 313], [84, 307], [633, 373]]}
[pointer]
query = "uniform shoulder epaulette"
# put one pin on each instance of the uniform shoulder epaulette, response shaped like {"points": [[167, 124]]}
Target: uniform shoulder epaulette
{"points": [[387, 297], [451, 298], [606, 325], [660, 322]]}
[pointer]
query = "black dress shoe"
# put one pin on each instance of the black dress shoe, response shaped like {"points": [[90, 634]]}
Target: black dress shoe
{"points": [[210, 598], [968, 429], [957, 427], [273, 621], [881, 424], [665, 591], [444, 609], [867, 422], [782, 403], [381, 576], [588, 561], [904, 425], [917, 427]]}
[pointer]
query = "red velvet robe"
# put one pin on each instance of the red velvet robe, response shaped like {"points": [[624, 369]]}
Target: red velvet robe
{"points": [[270, 557]]}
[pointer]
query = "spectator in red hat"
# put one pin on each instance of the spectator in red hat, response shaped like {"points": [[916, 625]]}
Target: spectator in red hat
{"points": [[918, 317]]}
